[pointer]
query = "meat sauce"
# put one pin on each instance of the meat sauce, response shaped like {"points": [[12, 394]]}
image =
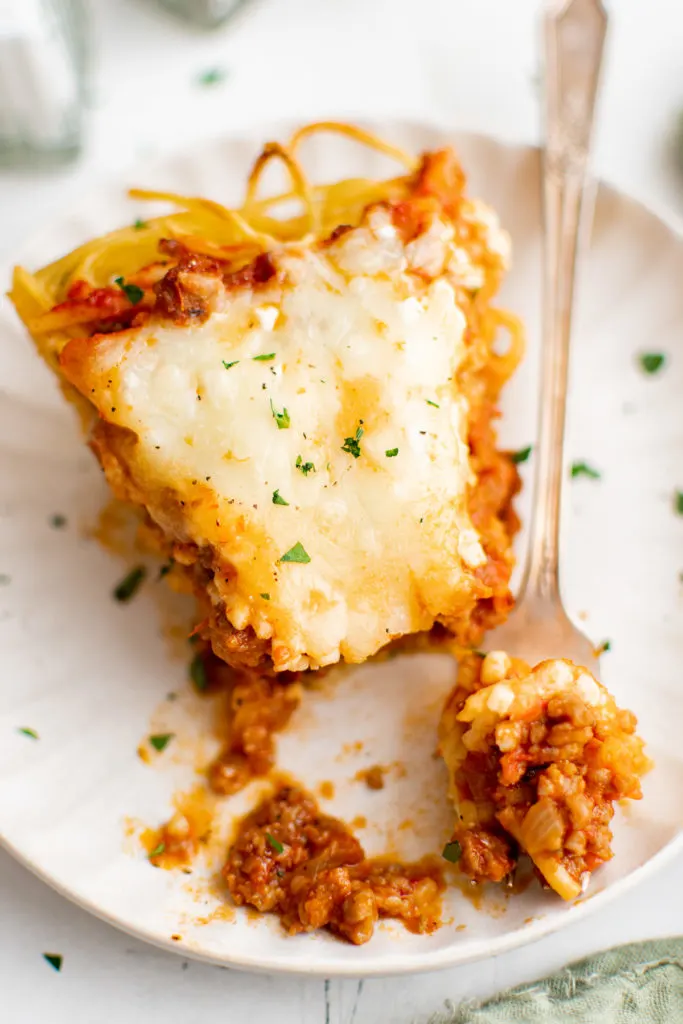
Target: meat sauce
{"points": [[308, 868], [257, 707]]}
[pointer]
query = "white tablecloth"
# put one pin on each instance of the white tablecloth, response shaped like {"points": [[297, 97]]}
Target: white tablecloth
{"points": [[467, 63]]}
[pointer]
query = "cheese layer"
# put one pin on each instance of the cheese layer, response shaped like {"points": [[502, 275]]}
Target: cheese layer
{"points": [[311, 434]]}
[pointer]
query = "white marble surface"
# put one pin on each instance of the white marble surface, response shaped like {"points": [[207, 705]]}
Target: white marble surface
{"points": [[468, 63]]}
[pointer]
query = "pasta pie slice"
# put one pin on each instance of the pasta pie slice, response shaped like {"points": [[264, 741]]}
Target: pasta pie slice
{"points": [[536, 759], [303, 409]]}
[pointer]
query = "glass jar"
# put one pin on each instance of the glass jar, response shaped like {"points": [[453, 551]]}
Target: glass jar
{"points": [[205, 13], [42, 80]]}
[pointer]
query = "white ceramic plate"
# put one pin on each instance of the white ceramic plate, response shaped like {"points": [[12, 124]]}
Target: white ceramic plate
{"points": [[91, 675]]}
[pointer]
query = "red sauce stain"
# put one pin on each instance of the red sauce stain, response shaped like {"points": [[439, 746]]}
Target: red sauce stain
{"points": [[350, 750], [177, 842]]}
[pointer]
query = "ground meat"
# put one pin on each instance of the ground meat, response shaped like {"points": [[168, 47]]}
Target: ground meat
{"points": [[544, 781], [188, 292], [308, 868], [257, 707], [490, 505], [486, 857]]}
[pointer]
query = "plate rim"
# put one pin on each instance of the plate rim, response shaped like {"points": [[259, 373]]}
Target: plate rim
{"points": [[321, 964]]}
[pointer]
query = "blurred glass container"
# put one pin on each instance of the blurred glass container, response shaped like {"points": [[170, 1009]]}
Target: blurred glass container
{"points": [[42, 81], [205, 13]]}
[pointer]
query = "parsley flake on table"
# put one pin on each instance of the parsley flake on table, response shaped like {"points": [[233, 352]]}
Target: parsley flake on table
{"points": [[128, 587], [55, 960], [212, 76], [161, 740], [583, 469], [274, 844], [305, 467], [265, 358], [281, 418], [429, 402], [522, 455], [278, 499], [296, 554], [391, 452], [652, 362], [352, 444], [452, 852], [58, 521], [133, 293], [198, 673], [25, 731], [678, 502], [228, 365], [4, 579]]}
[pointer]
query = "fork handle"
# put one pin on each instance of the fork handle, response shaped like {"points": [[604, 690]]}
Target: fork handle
{"points": [[574, 36]]}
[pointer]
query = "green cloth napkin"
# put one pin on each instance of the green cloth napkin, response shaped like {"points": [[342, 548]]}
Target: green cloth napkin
{"points": [[641, 983]]}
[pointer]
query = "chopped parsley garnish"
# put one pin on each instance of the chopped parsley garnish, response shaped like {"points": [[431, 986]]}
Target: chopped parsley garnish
{"points": [[305, 467], [391, 452], [133, 293], [432, 403], [25, 731], [139, 224], [605, 646], [228, 365], [583, 469], [352, 444], [161, 740], [165, 569], [58, 521], [521, 456], [281, 418], [264, 359], [158, 850], [296, 554], [213, 76], [55, 960], [452, 852], [274, 844], [678, 502], [652, 362], [129, 585], [278, 499], [266, 597], [198, 673]]}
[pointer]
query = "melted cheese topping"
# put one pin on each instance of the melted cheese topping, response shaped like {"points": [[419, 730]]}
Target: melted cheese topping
{"points": [[246, 418]]}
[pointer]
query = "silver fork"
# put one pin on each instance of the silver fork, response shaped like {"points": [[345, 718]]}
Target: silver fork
{"points": [[574, 40]]}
